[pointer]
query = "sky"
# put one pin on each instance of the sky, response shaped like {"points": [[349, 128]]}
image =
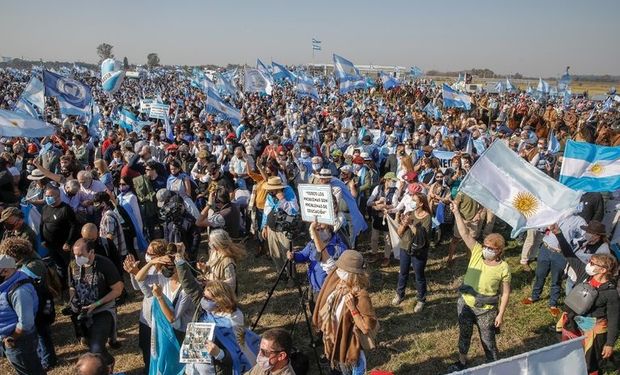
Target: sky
{"points": [[535, 38]]}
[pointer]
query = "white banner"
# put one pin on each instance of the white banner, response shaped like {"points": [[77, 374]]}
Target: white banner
{"points": [[159, 111], [564, 358], [316, 203], [145, 105]]}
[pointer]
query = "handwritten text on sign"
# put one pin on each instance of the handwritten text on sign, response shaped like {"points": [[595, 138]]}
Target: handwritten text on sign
{"points": [[316, 203]]}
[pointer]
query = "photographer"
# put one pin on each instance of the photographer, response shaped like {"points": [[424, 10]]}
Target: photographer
{"points": [[94, 286], [281, 203], [179, 225], [321, 252]]}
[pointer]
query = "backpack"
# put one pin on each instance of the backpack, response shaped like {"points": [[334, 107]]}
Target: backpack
{"points": [[46, 313], [419, 241]]}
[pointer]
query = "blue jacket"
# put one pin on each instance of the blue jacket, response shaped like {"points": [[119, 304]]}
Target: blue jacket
{"points": [[309, 254], [21, 310]]}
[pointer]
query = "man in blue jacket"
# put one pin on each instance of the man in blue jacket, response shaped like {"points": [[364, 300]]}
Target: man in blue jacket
{"points": [[18, 307]]}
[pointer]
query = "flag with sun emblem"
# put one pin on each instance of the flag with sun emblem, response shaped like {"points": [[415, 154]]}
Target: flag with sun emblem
{"points": [[589, 167], [516, 191]]}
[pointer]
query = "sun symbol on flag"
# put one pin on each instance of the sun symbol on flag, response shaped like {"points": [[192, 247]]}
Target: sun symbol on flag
{"points": [[596, 169], [14, 123], [526, 203]]}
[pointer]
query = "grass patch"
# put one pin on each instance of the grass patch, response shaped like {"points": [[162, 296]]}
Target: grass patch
{"points": [[408, 343]]}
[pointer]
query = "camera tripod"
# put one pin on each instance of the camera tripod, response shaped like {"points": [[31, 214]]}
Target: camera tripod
{"points": [[303, 305]]}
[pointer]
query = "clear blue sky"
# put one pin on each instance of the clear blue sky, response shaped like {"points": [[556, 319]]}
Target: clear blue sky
{"points": [[527, 36]]}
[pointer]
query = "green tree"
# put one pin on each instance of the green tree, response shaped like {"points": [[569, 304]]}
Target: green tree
{"points": [[125, 63], [104, 50], [152, 60]]}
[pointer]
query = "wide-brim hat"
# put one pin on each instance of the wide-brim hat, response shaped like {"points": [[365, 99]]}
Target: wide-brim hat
{"points": [[324, 174], [9, 212], [351, 261], [595, 227], [274, 183], [36, 175]]}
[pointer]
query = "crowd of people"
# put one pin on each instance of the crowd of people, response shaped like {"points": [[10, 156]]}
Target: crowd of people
{"points": [[94, 215]]}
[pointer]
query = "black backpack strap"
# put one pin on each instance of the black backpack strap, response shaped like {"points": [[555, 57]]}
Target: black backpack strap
{"points": [[13, 288]]}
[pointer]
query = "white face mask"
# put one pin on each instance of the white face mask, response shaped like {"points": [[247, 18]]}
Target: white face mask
{"points": [[316, 167], [147, 258], [342, 274], [392, 184], [81, 261], [304, 155], [590, 270], [488, 254], [263, 362]]}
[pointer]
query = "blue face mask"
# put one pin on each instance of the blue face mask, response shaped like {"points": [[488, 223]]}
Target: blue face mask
{"points": [[50, 201]]}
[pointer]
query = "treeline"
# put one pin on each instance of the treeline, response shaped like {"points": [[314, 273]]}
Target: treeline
{"points": [[488, 73]]}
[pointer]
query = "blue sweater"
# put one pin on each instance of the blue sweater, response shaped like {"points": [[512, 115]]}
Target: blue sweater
{"points": [[309, 254]]}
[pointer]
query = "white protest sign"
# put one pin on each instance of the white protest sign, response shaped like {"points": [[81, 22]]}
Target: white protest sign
{"points": [[145, 105], [316, 203], [159, 111]]}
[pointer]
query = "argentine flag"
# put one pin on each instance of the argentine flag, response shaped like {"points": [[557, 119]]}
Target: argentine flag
{"points": [[280, 73], [216, 106], [225, 87], [256, 81], [347, 85], [415, 71], [344, 69], [516, 191], [73, 97], [509, 86], [543, 86], [389, 82], [127, 120], [32, 100], [588, 167], [19, 124], [455, 99], [305, 87]]}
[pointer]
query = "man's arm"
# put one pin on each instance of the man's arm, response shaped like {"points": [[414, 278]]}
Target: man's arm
{"points": [[470, 242]]}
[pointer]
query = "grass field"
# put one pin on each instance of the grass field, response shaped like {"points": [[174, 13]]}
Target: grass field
{"points": [[424, 343]]}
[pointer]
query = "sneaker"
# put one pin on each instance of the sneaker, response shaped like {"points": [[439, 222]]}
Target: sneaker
{"points": [[418, 307], [397, 300], [456, 366]]}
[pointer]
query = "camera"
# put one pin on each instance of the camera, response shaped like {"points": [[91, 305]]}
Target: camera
{"points": [[172, 211], [289, 224]]}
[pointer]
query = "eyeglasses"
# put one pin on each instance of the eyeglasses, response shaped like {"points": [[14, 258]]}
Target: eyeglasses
{"points": [[148, 169], [268, 353], [597, 265]]}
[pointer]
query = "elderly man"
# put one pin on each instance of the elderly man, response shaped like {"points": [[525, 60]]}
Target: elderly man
{"points": [[88, 188], [17, 327]]}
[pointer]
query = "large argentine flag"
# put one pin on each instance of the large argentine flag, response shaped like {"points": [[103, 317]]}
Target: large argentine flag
{"points": [[453, 98], [73, 97], [32, 100], [280, 73], [305, 87], [257, 81], [19, 124], [344, 69], [516, 191], [589, 167], [217, 106]]}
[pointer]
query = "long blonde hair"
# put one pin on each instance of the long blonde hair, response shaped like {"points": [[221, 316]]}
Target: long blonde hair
{"points": [[220, 240], [406, 163], [223, 296]]}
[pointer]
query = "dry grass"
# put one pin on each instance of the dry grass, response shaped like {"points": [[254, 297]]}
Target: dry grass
{"points": [[425, 343]]}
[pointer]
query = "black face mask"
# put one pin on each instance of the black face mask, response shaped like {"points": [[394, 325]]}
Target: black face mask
{"points": [[428, 154], [167, 271]]}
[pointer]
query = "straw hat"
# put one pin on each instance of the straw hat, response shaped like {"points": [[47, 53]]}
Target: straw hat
{"points": [[274, 183]]}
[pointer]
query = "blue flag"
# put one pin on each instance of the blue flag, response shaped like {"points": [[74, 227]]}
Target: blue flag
{"points": [[357, 220], [305, 87], [225, 87], [389, 81], [280, 73], [564, 81], [127, 119], [543, 86], [588, 167], [217, 106], [165, 347], [344, 69], [554, 145], [32, 100], [455, 99], [73, 96], [415, 72], [509, 86]]}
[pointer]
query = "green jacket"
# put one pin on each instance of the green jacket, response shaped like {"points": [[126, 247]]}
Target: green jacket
{"points": [[147, 196]]}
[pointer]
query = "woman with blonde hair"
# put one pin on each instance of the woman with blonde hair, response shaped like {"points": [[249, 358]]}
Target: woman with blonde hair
{"points": [[234, 348], [223, 259], [345, 315]]}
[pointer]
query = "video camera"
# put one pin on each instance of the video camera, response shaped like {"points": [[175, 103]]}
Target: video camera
{"points": [[289, 224]]}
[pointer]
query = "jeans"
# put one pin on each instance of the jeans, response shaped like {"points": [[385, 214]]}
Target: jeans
{"points": [[23, 355], [99, 333], [549, 262], [418, 264], [45, 349]]}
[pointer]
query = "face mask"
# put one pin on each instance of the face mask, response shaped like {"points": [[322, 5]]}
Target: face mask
{"points": [[305, 155], [147, 258], [316, 167], [167, 272], [124, 188], [263, 362], [50, 201], [590, 269], [81, 261], [229, 147], [117, 160], [271, 142], [207, 305], [589, 237], [390, 143], [392, 184], [342, 274], [488, 254]]}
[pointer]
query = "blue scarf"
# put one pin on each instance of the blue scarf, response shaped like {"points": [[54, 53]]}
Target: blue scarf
{"points": [[142, 244], [359, 224], [165, 348]]}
